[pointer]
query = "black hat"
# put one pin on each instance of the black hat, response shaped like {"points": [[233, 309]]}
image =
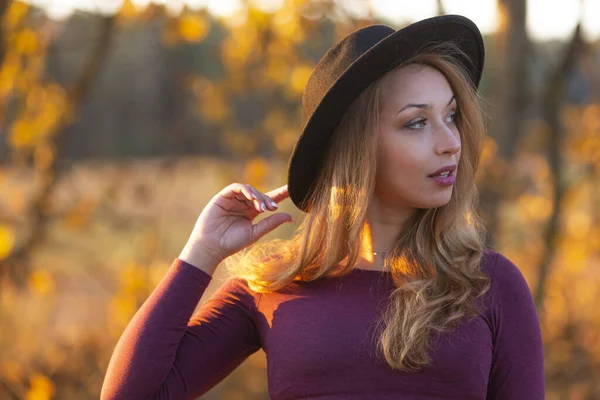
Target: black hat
{"points": [[350, 66]]}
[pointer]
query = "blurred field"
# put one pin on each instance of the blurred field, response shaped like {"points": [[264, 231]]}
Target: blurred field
{"points": [[121, 226], [116, 227]]}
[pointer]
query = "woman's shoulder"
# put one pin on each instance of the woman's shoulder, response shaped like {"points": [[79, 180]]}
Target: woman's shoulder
{"points": [[507, 279], [235, 290], [498, 265]]}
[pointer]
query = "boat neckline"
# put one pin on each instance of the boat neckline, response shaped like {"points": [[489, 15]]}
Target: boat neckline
{"points": [[369, 270]]}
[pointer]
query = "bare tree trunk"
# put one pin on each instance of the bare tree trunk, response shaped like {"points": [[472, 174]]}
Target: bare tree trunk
{"points": [[553, 98], [16, 263], [510, 87], [440, 7], [4, 4]]}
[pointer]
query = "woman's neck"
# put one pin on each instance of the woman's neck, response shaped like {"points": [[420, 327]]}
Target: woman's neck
{"points": [[371, 266]]}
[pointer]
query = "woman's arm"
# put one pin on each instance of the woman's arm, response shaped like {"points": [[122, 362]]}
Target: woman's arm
{"points": [[517, 370], [165, 354]]}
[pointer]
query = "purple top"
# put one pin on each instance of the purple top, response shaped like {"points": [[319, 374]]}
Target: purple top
{"points": [[317, 339]]}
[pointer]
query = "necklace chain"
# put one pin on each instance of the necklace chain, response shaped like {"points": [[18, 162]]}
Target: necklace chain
{"points": [[383, 253]]}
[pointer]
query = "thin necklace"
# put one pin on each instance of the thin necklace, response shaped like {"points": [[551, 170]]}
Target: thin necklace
{"points": [[384, 254]]}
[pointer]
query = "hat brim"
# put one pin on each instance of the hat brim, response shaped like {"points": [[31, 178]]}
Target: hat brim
{"points": [[308, 153]]}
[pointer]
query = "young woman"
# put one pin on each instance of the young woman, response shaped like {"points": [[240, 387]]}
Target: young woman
{"points": [[386, 291]]}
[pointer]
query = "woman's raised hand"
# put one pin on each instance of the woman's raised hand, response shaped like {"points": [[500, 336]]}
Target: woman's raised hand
{"points": [[225, 227]]}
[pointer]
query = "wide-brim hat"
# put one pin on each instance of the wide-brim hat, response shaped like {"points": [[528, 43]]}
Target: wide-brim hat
{"points": [[353, 63]]}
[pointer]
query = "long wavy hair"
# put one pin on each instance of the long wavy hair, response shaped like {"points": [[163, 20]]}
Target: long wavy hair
{"points": [[435, 261]]}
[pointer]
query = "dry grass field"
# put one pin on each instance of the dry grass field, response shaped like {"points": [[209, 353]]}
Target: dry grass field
{"points": [[114, 231]]}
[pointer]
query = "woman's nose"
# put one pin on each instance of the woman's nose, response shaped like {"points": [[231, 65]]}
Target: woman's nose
{"points": [[448, 139]]}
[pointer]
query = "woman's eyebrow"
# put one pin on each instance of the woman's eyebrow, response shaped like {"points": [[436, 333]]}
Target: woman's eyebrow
{"points": [[423, 106]]}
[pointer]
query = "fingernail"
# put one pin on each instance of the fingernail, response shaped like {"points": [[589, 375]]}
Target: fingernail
{"points": [[274, 204], [262, 205]]}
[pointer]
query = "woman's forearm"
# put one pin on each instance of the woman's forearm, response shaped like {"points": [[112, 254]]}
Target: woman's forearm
{"points": [[145, 352]]}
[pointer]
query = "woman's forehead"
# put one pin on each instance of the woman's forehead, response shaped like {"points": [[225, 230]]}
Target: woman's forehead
{"points": [[413, 76], [416, 84]]}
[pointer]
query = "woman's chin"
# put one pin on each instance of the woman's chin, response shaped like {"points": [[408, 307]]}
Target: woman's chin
{"points": [[437, 201]]}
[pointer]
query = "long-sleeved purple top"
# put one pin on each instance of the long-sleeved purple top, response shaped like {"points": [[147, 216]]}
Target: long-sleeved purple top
{"points": [[317, 337]]}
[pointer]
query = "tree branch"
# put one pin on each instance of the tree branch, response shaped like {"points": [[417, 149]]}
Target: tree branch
{"points": [[551, 108], [4, 4], [60, 137]]}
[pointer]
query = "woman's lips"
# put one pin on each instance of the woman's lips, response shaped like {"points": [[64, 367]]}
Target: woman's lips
{"points": [[444, 181]]}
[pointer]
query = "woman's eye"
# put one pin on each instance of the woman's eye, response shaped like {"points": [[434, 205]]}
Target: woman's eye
{"points": [[416, 124], [453, 117], [419, 124]]}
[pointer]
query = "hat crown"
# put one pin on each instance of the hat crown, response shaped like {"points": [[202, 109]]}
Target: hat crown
{"points": [[337, 59]]}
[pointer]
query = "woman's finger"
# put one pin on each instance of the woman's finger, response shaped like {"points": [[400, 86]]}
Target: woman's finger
{"points": [[274, 196], [263, 200], [269, 223], [257, 198], [241, 189], [279, 194]]}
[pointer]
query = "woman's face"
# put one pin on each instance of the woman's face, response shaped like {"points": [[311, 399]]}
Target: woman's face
{"points": [[417, 136]]}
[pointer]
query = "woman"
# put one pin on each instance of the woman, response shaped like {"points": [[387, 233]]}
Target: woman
{"points": [[386, 291]]}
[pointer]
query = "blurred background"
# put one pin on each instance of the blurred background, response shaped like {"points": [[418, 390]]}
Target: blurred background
{"points": [[119, 120]]}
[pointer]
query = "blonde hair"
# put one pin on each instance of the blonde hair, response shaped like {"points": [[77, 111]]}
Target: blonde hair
{"points": [[435, 262]]}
